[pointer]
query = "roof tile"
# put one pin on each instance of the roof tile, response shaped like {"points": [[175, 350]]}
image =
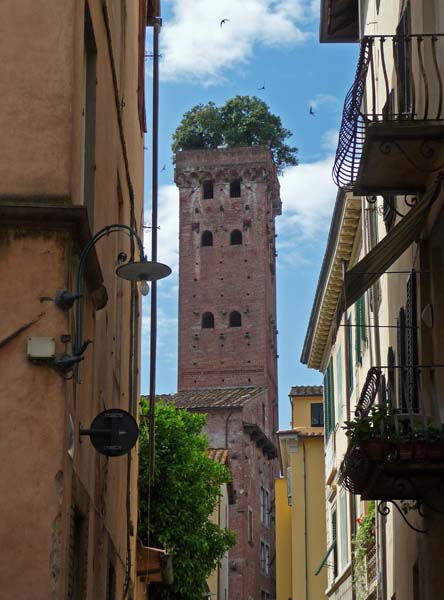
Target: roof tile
{"points": [[306, 390], [214, 397]]}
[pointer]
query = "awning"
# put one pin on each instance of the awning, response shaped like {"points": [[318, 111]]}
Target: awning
{"points": [[327, 554], [368, 270]]}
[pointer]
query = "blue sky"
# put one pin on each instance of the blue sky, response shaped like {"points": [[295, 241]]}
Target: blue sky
{"points": [[265, 42]]}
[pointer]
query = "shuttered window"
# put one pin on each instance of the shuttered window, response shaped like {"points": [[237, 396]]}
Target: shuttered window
{"points": [[408, 350], [344, 529], [349, 341], [339, 393], [360, 329], [329, 400]]}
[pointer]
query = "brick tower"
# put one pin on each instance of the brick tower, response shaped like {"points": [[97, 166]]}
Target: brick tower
{"points": [[227, 335]]}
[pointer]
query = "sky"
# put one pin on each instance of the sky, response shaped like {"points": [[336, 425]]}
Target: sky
{"points": [[263, 43]]}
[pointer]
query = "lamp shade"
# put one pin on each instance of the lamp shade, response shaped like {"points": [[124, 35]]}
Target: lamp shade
{"points": [[143, 270]]}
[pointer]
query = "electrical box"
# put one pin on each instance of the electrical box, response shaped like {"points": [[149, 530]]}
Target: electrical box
{"points": [[41, 348]]}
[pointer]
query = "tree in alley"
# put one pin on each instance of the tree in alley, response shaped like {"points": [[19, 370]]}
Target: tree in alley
{"points": [[184, 493]]}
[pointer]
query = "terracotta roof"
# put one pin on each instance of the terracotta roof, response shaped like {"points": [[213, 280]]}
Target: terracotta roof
{"points": [[234, 397], [220, 455], [303, 432], [306, 390], [310, 431]]}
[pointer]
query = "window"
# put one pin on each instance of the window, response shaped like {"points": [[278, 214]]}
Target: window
{"points": [[360, 329], [289, 495], [317, 414], [408, 384], [236, 237], [206, 239], [339, 393], [404, 61], [265, 558], [265, 506], [208, 189], [349, 340], [235, 188], [235, 319], [265, 595], [329, 400], [89, 118], [262, 501], [344, 529], [335, 548], [208, 321], [250, 525]]}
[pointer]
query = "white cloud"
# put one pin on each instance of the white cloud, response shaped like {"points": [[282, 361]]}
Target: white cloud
{"points": [[327, 100], [308, 195], [168, 234], [329, 140], [196, 48]]}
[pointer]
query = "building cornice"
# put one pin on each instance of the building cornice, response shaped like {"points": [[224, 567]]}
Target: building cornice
{"points": [[341, 240]]}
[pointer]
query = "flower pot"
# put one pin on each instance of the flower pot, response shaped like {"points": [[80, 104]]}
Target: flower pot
{"points": [[373, 449], [405, 450], [420, 450], [434, 450]]}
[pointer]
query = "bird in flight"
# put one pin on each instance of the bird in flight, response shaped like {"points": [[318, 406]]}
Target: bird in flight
{"points": [[163, 168], [312, 112], [263, 87], [224, 21]]}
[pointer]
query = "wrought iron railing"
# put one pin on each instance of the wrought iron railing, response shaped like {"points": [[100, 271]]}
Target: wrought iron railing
{"points": [[399, 78], [397, 419]]}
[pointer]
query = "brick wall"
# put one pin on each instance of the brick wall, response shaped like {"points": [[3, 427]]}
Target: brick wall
{"points": [[221, 278], [250, 469]]}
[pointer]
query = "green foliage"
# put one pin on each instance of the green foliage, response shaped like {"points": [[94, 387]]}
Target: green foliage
{"points": [[363, 540], [241, 121], [387, 423], [185, 491]]}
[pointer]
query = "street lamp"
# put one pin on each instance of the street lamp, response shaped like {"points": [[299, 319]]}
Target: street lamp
{"points": [[140, 270]]}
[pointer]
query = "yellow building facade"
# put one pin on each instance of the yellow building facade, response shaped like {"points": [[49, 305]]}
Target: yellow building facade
{"points": [[376, 326], [300, 500]]}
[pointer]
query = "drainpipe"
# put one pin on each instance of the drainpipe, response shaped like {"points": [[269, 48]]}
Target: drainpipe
{"points": [[305, 521], [381, 534], [351, 500]]}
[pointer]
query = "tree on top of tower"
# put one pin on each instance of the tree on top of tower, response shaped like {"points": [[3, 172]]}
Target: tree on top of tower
{"points": [[241, 121]]}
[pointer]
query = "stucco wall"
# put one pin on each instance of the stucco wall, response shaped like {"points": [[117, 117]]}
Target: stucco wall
{"points": [[41, 129]]}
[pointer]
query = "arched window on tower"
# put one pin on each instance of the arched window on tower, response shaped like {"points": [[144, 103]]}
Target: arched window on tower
{"points": [[208, 189], [235, 188], [236, 237], [206, 239], [235, 319], [208, 321]]}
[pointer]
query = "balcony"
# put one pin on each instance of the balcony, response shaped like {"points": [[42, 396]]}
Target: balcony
{"points": [[392, 133], [396, 448]]}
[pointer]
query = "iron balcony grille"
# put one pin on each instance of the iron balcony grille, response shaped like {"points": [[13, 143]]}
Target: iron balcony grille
{"points": [[398, 78]]}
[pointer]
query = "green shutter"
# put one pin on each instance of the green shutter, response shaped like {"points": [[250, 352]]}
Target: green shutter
{"points": [[329, 400], [350, 353], [360, 328], [339, 393], [343, 529]]}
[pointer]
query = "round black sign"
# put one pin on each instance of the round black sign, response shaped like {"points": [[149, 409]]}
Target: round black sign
{"points": [[114, 432]]}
